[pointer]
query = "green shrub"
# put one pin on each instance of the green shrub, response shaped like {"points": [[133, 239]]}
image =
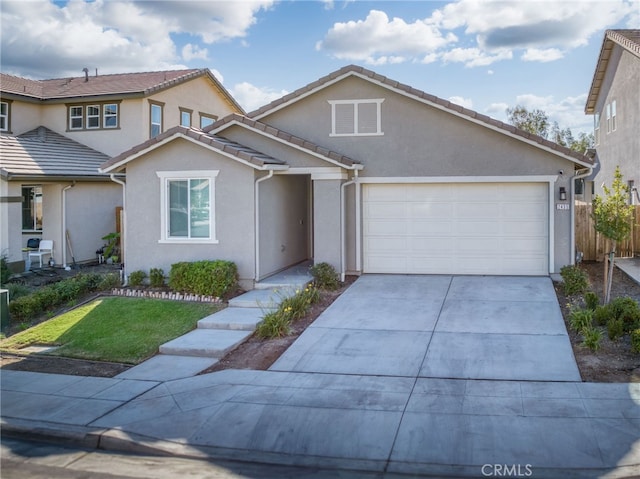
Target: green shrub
{"points": [[5, 272], [17, 290], [627, 310], [274, 325], [601, 315], [136, 278], [108, 281], [156, 277], [615, 329], [298, 304], [635, 340], [581, 319], [325, 276], [592, 338], [24, 308], [591, 300], [575, 280], [211, 278]]}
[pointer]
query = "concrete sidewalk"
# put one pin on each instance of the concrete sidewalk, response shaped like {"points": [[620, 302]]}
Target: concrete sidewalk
{"points": [[394, 377]]}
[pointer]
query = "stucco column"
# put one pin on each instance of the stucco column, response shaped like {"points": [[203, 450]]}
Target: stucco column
{"points": [[326, 222]]}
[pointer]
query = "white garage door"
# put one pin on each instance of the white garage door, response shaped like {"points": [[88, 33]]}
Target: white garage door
{"points": [[456, 228]]}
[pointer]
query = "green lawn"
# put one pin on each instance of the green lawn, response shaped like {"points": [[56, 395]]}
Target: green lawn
{"points": [[123, 330]]}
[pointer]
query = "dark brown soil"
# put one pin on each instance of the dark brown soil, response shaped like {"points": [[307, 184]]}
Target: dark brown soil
{"points": [[614, 361]]}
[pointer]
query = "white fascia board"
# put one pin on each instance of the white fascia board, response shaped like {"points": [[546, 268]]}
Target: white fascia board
{"points": [[459, 179], [318, 173], [355, 166]]}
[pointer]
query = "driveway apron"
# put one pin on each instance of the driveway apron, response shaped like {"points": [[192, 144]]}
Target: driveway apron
{"points": [[462, 327]]}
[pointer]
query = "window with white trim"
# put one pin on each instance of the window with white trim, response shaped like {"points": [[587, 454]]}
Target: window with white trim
{"points": [[76, 118], [4, 115], [187, 206], [356, 117], [155, 119], [110, 115], [185, 117], [613, 116], [608, 113], [596, 129], [32, 208], [93, 116]]}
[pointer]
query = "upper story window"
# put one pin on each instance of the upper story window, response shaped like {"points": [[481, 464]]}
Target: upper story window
{"points": [[185, 117], [155, 118], [5, 116], [93, 117], [356, 117], [608, 117], [596, 129], [187, 206], [32, 208], [613, 116], [206, 120]]}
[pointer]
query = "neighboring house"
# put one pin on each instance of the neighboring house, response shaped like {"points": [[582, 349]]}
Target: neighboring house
{"points": [[55, 133], [614, 101], [359, 171]]}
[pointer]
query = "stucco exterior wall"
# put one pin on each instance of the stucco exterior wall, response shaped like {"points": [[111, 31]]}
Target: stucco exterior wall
{"points": [[24, 117], [326, 220], [234, 211], [420, 141], [284, 222], [622, 146]]}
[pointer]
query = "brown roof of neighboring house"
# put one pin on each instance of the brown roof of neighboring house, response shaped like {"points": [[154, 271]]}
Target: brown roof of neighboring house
{"points": [[228, 147], [627, 39], [44, 154], [420, 95], [143, 84], [269, 130]]}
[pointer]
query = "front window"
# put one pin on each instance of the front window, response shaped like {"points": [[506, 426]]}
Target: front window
{"points": [[32, 208], [76, 118], [4, 116], [185, 118], [356, 117], [188, 206], [93, 116], [110, 115], [156, 120]]}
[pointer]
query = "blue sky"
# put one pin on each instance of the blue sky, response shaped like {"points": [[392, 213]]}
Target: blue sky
{"points": [[483, 54]]}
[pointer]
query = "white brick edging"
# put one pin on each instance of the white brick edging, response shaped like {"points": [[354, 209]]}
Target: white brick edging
{"points": [[170, 295]]}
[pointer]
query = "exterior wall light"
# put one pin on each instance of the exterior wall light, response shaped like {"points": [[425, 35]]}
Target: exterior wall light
{"points": [[563, 193]]}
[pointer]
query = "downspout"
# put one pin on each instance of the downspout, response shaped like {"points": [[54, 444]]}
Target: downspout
{"points": [[343, 225], [64, 223], [257, 221], [112, 176], [578, 176]]}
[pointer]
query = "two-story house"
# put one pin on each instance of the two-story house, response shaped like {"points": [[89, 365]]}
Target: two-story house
{"points": [[55, 133], [614, 102]]}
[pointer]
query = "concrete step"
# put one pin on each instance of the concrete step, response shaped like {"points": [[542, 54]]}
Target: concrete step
{"points": [[164, 367], [262, 298], [238, 319], [209, 343], [296, 277]]}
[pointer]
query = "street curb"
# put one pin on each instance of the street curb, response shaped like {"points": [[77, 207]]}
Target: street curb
{"points": [[82, 436]]}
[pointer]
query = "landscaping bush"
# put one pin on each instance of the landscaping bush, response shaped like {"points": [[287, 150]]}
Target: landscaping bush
{"points": [[108, 281], [581, 320], [136, 278], [274, 325], [592, 338], [601, 315], [16, 290], [325, 276], [5, 272], [627, 310], [156, 277], [591, 300], [635, 340], [210, 278], [299, 304], [575, 280], [615, 329]]}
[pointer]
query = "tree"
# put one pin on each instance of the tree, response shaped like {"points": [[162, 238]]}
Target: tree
{"points": [[613, 219], [537, 122]]}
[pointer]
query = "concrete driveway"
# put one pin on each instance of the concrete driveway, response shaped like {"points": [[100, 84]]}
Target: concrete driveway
{"points": [[462, 327]]}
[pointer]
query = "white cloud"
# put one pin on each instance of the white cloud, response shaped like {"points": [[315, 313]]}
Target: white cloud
{"points": [[191, 52], [497, 110], [43, 39], [538, 55], [251, 97], [475, 57], [378, 39], [568, 112], [465, 102]]}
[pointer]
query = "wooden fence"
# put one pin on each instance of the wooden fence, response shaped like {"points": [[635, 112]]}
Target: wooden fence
{"points": [[594, 246]]}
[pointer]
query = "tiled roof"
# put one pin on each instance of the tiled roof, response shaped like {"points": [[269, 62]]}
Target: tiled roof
{"points": [[219, 143], [282, 135], [420, 95], [144, 84], [42, 153], [627, 39]]}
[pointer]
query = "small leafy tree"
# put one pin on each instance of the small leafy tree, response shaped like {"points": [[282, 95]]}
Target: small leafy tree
{"points": [[613, 219]]}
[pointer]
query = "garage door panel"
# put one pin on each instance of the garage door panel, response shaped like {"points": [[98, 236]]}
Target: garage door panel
{"points": [[466, 228]]}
